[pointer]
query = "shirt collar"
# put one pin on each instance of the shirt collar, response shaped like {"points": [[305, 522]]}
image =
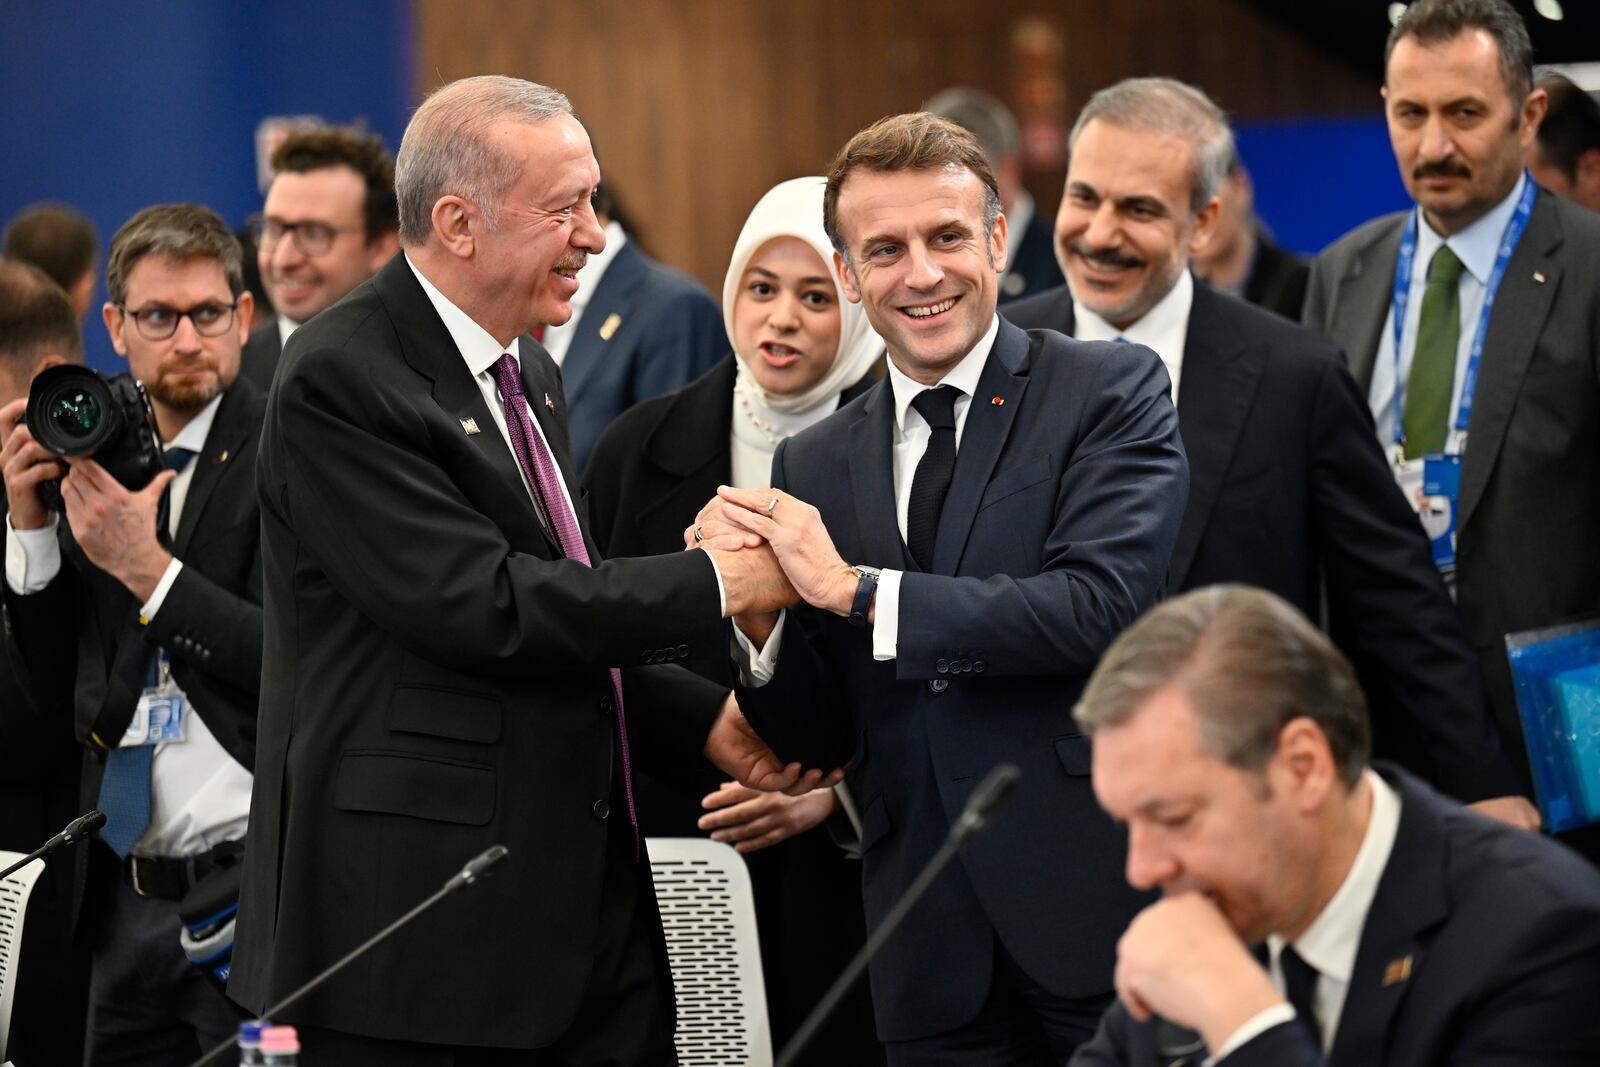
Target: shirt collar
{"points": [[286, 326], [964, 375], [1154, 329], [194, 433], [594, 268], [1329, 944], [1475, 245], [476, 345]]}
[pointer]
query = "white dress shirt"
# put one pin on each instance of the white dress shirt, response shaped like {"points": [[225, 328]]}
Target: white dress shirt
{"points": [[557, 339], [480, 351], [911, 432], [1476, 247], [1330, 943], [286, 327], [199, 794], [1164, 329]]}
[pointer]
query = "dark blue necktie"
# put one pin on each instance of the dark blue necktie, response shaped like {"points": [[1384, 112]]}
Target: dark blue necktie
{"points": [[934, 471], [125, 788], [1300, 987]]}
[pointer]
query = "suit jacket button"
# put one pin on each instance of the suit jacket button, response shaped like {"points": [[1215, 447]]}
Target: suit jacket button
{"points": [[978, 666], [607, 706], [601, 809], [683, 651], [943, 666], [939, 685], [966, 666]]}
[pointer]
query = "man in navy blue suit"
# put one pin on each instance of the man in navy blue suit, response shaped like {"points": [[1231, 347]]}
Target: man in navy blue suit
{"points": [[1009, 501], [1391, 925]]}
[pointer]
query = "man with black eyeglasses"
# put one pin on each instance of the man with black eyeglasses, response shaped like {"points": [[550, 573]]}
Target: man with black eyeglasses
{"points": [[328, 225], [142, 611]]}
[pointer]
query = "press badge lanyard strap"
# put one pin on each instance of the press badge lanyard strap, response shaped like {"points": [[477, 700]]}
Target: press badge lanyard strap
{"points": [[1402, 296]]}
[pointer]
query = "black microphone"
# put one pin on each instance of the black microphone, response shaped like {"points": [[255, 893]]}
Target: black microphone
{"points": [[477, 869], [76, 831], [974, 819]]}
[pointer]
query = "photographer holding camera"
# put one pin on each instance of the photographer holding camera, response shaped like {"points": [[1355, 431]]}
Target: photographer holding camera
{"points": [[143, 611]]}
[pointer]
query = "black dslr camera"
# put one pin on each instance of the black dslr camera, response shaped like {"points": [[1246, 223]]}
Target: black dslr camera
{"points": [[74, 411]]}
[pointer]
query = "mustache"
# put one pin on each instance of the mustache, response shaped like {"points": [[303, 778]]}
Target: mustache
{"points": [[1445, 168], [1105, 257], [572, 261]]}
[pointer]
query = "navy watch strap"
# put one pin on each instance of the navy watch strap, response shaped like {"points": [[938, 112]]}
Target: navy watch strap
{"points": [[863, 598]]}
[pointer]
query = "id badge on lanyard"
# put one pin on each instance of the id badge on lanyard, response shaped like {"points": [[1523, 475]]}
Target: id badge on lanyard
{"points": [[159, 716], [1432, 484]]}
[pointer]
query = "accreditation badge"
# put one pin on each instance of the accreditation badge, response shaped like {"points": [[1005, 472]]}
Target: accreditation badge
{"points": [[1432, 486]]}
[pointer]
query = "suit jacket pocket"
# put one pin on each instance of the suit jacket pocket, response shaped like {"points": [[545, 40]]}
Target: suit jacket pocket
{"points": [[423, 787], [445, 713], [1074, 754], [1024, 474]]}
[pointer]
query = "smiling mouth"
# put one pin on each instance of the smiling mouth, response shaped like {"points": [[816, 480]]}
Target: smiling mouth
{"points": [[778, 355], [923, 312]]}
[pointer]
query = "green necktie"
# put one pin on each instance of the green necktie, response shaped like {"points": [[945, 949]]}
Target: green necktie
{"points": [[1433, 363]]}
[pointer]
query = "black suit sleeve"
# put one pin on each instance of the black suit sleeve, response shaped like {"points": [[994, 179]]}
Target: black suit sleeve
{"points": [[44, 652], [212, 631], [1388, 606]]}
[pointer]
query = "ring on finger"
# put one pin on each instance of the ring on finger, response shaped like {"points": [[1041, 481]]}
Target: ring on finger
{"points": [[698, 536], [772, 505]]}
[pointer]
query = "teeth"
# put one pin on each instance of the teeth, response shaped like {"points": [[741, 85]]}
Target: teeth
{"points": [[780, 350], [931, 309]]}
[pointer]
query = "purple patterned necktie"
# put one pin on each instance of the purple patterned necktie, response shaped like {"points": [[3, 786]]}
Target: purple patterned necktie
{"points": [[559, 519]]}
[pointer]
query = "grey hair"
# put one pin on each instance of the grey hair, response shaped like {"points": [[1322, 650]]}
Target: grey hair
{"points": [[981, 115], [1435, 21], [1248, 662], [446, 150], [1169, 107]]}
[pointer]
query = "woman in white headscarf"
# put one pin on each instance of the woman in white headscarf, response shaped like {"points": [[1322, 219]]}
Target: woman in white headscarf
{"points": [[800, 351]]}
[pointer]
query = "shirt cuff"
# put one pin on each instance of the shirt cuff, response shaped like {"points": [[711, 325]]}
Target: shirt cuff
{"points": [[1254, 1027], [886, 616], [33, 557], [757, 668], [722, 592], [163, 587]]}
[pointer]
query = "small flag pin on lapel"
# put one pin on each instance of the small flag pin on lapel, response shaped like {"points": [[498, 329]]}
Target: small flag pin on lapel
{"points": [[997, 400], [551, 404], [1398, 971], [222, 458], [470, 425], [608, 329], [1538, 276]]}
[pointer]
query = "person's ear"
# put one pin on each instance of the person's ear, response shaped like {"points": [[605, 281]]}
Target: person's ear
{"points": [[847, 278], [456, 224], [1205, 224], [114, 318]]}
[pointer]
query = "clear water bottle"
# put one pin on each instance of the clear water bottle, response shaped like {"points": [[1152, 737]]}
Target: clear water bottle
{"points": [[280, 1047], [250, 1041]]}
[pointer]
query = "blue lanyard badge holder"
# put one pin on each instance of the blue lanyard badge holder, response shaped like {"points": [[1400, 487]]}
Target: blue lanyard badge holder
{"points": [[1433, 484], [161, 712]]}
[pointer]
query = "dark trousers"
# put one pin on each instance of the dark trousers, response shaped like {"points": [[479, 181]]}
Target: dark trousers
{"points": [[1020, 1025], [625, 1017], [148, 1006]]}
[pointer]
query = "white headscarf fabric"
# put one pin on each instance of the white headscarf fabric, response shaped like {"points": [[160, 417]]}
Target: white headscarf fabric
{"points": [[794, 209]]}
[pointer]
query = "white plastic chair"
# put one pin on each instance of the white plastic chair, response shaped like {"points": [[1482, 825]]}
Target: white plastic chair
{"points": [[709, 915], [14, 892]]}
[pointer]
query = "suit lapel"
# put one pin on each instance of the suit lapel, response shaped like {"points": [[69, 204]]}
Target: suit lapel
{"points": [[689, 446], [1410, 902], [587, 349], [1218, 387], [542, 386], [427, 347], [230, 435], [990, 414], [1520, 308], [872, 480], [1365, 293]]}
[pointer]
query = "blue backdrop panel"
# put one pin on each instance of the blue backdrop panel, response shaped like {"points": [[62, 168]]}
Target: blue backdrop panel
{"points": [[1315, 179], [112, 107]]}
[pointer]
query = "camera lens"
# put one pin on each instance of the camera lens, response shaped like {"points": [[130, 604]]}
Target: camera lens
{"points": [[74, 414]]}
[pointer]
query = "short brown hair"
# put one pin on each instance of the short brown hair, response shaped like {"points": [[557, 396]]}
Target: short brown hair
{"points": [[916, 141], [36, 317], [1248, 662], [57, 238], [322, 147], [177, 231]]}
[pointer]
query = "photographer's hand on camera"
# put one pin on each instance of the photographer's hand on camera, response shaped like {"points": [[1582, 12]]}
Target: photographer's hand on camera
{"points": [[116, 528], [26, 464]]}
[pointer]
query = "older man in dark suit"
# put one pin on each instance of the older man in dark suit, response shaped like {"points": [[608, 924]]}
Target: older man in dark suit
{"points": [[1391, 926], [443, 641], [1523, 431], [1290, 492]]}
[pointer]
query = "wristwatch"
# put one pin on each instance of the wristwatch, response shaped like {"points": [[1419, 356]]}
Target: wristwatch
{"points": [[865, 588]]}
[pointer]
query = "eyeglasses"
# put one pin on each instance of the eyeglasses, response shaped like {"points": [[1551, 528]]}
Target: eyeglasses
{"points": [[159, 322], [312, 238]]}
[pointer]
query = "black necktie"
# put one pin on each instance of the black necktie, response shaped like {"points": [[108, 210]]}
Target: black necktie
{"points": [[174, 459], [1300, 985], [932, 480]]}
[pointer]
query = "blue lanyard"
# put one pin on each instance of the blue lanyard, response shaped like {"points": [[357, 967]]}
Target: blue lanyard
{"points": [[1402, 295]]}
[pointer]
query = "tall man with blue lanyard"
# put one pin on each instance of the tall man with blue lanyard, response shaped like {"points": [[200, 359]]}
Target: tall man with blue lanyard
{"points": [[1473, 320]]}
